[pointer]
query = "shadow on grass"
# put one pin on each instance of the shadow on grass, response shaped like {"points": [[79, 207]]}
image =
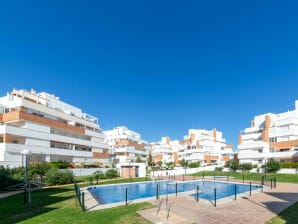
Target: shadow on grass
{"points": [[13, 209]]}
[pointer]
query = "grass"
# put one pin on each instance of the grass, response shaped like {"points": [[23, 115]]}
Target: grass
{"points": [[108, 181], [59, 205], [286, 178], [288, 216]]}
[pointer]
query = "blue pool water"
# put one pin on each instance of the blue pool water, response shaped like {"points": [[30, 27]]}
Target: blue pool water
{"points": [[116, 193]]}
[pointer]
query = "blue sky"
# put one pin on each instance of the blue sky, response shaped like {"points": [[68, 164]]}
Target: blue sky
{"points": [[158, 67]]}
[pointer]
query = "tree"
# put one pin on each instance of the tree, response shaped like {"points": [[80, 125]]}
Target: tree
{"points": [[194, 164], [111, 173], [170, 165], [234, 165], [273, 166], [245, 167], [183, 163], [138, 160], [39, 169], [159, 163], [150, 160], [99, 175]]}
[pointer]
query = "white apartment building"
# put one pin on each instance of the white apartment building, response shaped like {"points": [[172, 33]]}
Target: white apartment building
{"points": [[271, 136], [205, 146], [50, 128], [165, 150], [126, 145]]}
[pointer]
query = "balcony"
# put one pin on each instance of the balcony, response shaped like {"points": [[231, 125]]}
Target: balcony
{"points": [[17, 148], [252, 145]]}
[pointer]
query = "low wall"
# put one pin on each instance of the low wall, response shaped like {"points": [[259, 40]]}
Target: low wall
{"points": [[87, 171], [289, 171], [180, 171]]}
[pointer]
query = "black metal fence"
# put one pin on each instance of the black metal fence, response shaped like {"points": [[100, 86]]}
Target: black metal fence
{"points": [[80, 195]]}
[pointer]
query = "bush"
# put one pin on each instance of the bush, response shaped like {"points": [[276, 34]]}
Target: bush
{"points": [[5, 178], [234, 165], [227, 164], [218, 169], [56, 177], [60, 165], [39, 169], [99, 174], [11, 176], [111, 173], [293, 165], [194, 164], [273, 166], [245, 166]]}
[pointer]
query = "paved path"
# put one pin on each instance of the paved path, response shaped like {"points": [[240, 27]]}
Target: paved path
{"points": [[7, 194], [255, 209]]}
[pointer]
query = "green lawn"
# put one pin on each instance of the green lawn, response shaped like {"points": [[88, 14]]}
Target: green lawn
{"points": [[59, 205], [286, 178], [288, 216], [108, 181]]}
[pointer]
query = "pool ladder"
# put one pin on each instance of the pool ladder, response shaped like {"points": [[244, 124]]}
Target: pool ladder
{"points": [[168, 206]]}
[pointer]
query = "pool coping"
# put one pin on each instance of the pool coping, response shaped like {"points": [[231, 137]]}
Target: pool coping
{"points": [[91, 203]]}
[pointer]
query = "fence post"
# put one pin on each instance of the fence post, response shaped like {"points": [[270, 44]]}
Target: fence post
{"points": [[97, 180], [157, 191], [243, 177], [274, 182], [262, 180], [203, 175], [271, 183], [79, 197], [249, 188], [83, 201], [235, 192], [176, 188], [198, 193], [125, 196], [215, 197]]}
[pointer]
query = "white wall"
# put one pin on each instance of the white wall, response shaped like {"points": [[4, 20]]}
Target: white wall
{"points": [[87, 171]]}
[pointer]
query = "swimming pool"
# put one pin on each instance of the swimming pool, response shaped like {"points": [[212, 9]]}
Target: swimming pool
{"points": [[107, 194]]}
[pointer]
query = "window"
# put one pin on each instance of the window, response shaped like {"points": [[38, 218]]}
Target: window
{"points": [[260, 150], [273, 139], [1, 139]]}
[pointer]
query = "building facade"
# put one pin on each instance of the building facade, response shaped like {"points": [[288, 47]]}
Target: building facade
{"points": [[206, 146], [126, 145], [50, 128], [165, 150], [270, 136]]}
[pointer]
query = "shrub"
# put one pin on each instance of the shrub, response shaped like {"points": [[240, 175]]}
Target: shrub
{"points": [[293, 165], [39, 169], [234, 165], [183, 163], [245, 167], [99, 174], [194, 164], [273, 166], [170, 165], [227, 163], [111, 173], [56, 176], [60, 165], [5, 178], [218, 169]]}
